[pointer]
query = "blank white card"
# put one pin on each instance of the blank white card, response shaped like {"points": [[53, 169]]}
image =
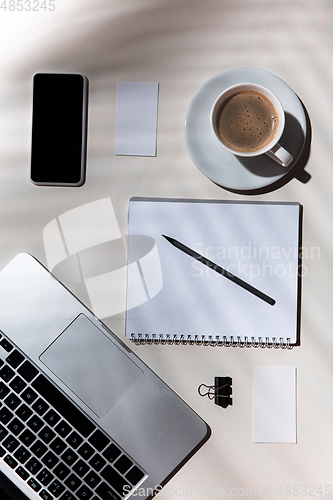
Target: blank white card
{"points": [[275, 404], [136, 124]]}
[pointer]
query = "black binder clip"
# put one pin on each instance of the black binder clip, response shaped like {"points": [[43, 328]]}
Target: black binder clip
{"points": [[221, 391]]}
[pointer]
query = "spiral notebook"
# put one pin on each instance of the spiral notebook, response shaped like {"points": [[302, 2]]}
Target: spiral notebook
{"points": [[172, 298]]}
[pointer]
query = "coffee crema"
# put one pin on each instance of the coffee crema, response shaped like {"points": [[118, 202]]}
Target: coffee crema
{"points": [[247, 122]]}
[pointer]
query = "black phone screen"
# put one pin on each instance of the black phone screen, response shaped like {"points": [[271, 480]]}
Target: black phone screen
{"points": [[58, 147]]}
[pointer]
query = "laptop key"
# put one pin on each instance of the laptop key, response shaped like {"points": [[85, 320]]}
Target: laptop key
{"points": [[45, 495], [22, 454], [29, 395], [27, 437], [134, 475], [33, 465], [99, 440], [92, 479], [16, 426], [106, 492], [6, 373], [111, 452], [40, 406], [10, 443], [61, 471], [10, 461], [81, 468], [12, 401], [123, 464], [3, 390], [69, 457], [45, 477], [56, 488], [22, 473], [74, 440], [15, 358], [50, 460], [86, 451], [115, 479], [46, 434], [67, 496], [97, 462], [5, 415], [6, 345], [38, 448], [73, 482], [51, 418], [84, 493], [33, 484], [3, 432], [17, 384], [63, 429], [23, 412], [35, 423], [58, 446], [28, 371]]}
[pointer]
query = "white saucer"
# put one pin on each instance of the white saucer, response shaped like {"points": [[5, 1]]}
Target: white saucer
{"points": [[224, 168]]}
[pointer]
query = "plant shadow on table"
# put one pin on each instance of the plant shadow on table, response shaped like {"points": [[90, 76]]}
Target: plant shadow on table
{"points": [[292, 140]]}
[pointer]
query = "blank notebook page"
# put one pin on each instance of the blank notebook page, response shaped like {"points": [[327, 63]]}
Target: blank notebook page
{"points": [[256, 241]]}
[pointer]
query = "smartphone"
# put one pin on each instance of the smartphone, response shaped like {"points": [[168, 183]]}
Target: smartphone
{"points": [[59, 129]]}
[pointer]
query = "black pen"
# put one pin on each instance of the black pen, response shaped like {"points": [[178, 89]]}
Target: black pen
{"points": [[220, 270]]}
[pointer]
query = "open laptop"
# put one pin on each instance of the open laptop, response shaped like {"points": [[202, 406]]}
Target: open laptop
{"points": [[81, 416]]}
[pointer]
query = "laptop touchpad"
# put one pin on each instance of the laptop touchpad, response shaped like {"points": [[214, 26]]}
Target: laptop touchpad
{"points": [[91, 365]]}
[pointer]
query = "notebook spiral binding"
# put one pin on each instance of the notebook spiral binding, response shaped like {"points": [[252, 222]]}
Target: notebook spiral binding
{"points": [[169, 339]]}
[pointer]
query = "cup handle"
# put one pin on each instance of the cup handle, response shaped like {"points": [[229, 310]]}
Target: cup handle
{"points": [[280, 155]]}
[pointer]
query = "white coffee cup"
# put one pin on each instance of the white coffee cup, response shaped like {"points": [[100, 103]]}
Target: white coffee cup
{"points": [[273, 149]]}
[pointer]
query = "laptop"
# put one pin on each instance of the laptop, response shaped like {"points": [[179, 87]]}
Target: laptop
{"points": [[81, 416]]}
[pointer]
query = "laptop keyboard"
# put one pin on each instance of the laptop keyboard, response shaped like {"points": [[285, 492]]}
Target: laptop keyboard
{"points": [[51, 444]]}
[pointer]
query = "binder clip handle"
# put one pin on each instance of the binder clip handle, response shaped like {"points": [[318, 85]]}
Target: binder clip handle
{"points": [[220, 392]]}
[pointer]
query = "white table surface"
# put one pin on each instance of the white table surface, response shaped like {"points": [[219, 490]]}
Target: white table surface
{"points": [[181, 44]]}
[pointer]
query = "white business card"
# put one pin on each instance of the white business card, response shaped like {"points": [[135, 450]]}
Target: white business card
{"points": [[136, 125], [275, 404]]}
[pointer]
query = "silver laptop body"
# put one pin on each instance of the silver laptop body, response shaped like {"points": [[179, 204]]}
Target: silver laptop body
{"points": [[141, 432]]}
